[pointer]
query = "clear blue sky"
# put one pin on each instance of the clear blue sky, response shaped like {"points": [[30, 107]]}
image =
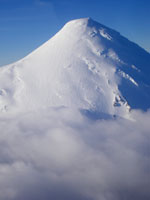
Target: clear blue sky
{"points": [[26, 24]]}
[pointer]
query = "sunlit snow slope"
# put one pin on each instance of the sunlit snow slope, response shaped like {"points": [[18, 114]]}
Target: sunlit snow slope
{"points": [[85, 65]]}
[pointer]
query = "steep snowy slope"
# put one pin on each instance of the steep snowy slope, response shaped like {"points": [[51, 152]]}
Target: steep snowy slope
{"points": [[85, 65]]}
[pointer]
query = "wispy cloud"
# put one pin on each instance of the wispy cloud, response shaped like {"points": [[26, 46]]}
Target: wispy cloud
{"points": [[42, 2], [6, 19]]}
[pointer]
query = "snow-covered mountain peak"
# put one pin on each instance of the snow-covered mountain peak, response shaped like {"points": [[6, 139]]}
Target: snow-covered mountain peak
{"points": [[87, 24], [87, 66], [84, 23], [81, 21]]}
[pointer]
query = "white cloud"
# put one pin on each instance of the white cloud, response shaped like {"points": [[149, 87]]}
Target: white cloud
{"points": [[61, 154]]}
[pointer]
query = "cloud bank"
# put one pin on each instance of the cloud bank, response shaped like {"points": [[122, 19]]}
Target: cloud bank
{"points": [[60, 154]]}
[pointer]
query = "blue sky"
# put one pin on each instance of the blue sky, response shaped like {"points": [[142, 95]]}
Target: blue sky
{"points": [[26, 24]]}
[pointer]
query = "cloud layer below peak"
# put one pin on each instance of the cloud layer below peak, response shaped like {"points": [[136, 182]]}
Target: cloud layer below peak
{"points": [[61, 154]]}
